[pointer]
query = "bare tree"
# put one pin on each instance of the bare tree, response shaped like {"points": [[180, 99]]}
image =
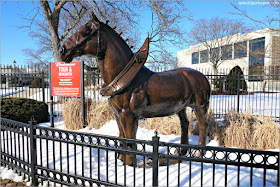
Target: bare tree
{"points": [[165, 30], [268, 21], [216, 37], [48, 31], [164, 62], [63, 18]]}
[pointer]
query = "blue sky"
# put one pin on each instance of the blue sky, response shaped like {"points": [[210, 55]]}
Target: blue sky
{"points": [[14, 40]]}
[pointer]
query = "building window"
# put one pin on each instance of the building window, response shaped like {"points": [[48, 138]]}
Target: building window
{"points": [[257, 52], [256, 56], [240, 49], [214, 54], [226, 52], [203, 56], [195, 58]]}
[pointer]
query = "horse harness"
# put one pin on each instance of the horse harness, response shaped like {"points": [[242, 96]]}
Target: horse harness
{"points": [[126, 76]]}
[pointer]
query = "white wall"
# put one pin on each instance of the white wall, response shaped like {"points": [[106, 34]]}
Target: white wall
{"points": [[184, 57]]}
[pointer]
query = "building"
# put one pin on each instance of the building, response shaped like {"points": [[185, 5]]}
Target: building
{"points": [[12, 76], [255, 53]]}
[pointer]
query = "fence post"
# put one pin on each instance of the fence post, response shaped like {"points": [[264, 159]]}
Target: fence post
{"points": [[155, 141], [33, 152], [51, 97], [238, 91], [83, 93], [43, 86]]}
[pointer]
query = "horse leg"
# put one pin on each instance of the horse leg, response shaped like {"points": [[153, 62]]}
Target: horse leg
{"points": [[121, 135], [203, 125], [130, 124], [184, 129]]}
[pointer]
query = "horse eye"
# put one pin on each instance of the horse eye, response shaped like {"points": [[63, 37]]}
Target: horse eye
{"points": [[62, 51]]}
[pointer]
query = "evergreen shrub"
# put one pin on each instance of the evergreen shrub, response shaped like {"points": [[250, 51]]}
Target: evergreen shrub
{"points": [[21, 109]]}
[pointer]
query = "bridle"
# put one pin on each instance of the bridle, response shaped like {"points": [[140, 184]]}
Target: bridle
{"points": [[77, 49]]}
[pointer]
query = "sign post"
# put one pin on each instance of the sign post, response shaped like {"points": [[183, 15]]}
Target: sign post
{"points": [[83, 94], [67, 79], [51, 97]]}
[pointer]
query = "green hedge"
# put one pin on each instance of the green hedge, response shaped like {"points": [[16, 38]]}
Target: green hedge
{"points": [[20, 109]]}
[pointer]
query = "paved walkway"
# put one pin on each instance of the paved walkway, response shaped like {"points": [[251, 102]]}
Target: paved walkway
{"points": [[8, 182]]}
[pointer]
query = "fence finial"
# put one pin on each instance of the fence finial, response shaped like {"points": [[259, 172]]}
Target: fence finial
{"points": [[156, 133], [32, 121]]}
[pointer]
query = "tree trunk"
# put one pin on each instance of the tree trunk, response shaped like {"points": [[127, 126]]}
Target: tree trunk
{"points": [[53, 21], [215, 69]]}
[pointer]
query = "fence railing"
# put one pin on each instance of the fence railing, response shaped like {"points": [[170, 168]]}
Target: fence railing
{"points": [[259, 94], [52, 156], [253, 71], [236, 93]]}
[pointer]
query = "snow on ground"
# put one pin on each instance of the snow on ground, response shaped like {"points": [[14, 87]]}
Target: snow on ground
{"points": [[6, 173], [258, 103], [261, 105], [111, 129], [11, 90]]}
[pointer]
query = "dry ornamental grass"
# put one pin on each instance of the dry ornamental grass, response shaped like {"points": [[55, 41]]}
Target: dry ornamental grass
{"points": [[238, 130], [250, 132], [72, 114], [97, 113]]}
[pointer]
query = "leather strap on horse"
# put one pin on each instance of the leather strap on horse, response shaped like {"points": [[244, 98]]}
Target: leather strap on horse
{"points": [[129, 72]]}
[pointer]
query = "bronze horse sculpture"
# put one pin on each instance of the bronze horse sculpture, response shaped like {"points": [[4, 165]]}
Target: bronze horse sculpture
{"points": [[150, 94]]}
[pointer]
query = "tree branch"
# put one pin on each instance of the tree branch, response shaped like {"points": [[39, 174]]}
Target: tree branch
{"points": [[74, 23]]}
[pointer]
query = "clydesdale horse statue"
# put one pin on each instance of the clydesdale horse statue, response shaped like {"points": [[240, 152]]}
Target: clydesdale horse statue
{"points": [[142, 93]]}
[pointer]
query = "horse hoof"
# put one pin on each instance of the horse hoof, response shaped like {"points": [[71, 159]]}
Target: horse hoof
{"points": [[148, 163], [128, 161], [121, 157]]}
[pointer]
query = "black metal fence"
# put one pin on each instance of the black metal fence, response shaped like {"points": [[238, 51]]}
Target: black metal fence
{"points": [[52, 156], [231, 89], [33, 82], [236, 93]]}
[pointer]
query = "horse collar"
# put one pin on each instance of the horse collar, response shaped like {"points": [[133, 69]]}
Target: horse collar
{"points": [[126, 76]]}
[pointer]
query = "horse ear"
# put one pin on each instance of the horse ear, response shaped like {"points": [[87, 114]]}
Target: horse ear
{"points": [[78, 38], [94, 16]]}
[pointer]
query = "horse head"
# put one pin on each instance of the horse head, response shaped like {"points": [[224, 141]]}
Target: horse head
{"points": [[98, 39], [87, 40]]}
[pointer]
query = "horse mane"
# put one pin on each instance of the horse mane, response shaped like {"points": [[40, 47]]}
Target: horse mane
{"points": [[117, 34]]}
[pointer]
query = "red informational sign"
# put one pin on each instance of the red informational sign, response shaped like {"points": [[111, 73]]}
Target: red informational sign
{"points": [[66, 79]]}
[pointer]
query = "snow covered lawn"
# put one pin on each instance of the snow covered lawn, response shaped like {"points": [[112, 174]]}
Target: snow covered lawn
{"points": [[111, 129]]}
